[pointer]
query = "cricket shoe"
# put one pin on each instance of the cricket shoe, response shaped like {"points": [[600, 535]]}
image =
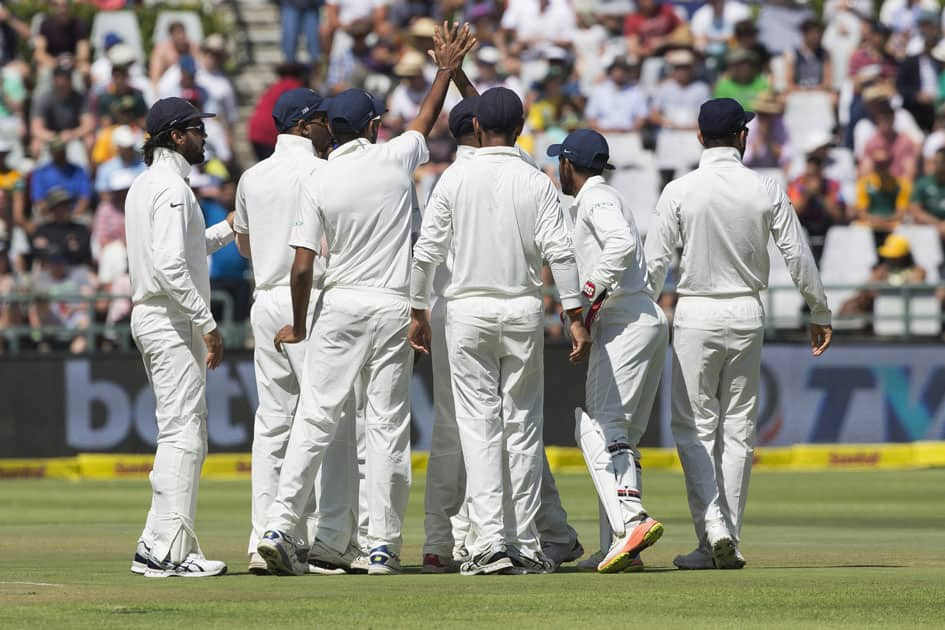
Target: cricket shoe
{"points": [[560, 553], [635, 566], [696, 560], [433, 563], [621, 553], [139, 564], [460, 554], [524, 565], [324, 560], [590, 563], [488, 562], [383, 561], [724, 549], [193, 566], [284, 555], [257, 566]]}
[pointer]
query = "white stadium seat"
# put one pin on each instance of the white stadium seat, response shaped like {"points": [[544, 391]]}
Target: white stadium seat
{"points": [[848, 258], [807, 114], [123, 23], [926, 248], [189, 19], [925, 315]]}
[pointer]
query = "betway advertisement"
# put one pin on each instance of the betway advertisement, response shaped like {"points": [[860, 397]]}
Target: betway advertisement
{"points": [[853, 394]]}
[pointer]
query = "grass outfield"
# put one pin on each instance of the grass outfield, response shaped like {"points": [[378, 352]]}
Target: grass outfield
{"points": [[839, 549]]}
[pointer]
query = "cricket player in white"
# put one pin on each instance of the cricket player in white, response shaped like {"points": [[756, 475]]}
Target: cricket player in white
{"points": [[267, 200], [629, 334], [168, 244], [723, 214], [447, 517], [361, 204], [499, 217]]}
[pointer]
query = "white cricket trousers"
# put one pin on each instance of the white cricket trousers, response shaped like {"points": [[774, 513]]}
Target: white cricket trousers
{"points": [[278, 377], [629, 338], [358, 333], [174, 358], [496, 352], [716, 375]]}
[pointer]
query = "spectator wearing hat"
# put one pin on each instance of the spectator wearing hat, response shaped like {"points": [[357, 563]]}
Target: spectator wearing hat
{"points": [[487, 72], [816, 198], [676, 104], [713, 24], [647, 28], [168, 52], [928, 196], [62, 112], [809, 67], [61, 233], [120, 86], [62, 34], [124, 113], [882, 199], [879, 100], [261, 129], [618, 104], [768, 144], [896, 268], [127, 157], [100, 72], [918, 79], [743, 80], [903, 150], [60, 173], [406, 98]]}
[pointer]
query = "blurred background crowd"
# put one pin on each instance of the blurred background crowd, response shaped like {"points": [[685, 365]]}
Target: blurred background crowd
{"points": [[850, 96]]}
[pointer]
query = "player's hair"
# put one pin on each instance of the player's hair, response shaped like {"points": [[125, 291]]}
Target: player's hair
{"points": [[587, 172], [724, 141], [160, 141]]}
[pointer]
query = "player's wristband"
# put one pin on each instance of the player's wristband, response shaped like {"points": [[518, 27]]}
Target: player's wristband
{"points": [[597, 300]]}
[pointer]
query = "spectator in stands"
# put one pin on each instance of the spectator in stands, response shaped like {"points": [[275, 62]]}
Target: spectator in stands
{"points": [[618, 104], [896, 268], [101, 70], [119, 88], [676, 104], [882, 199], [63, 113], [62, 34], [109, 224], [648, 27], [918, 78], [62, 234], [340, 14], [121, 55], [743, 80], [816, 198], [809, 67], [928, 196], [12, 93], [768, 143], [527, 23], [713, 24], [879, 100], [12, 29], [59, 289], [212, 75], [10, 312], [746, 37], [127, 159], [169, 51], [902, 149], [300, 17], [873, 51], [124, 113], [487, 72], [13, 187], [406, 98], [934, 141], [352, 66], [60, 174]]}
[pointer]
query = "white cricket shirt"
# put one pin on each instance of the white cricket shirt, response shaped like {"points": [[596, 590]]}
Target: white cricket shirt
{"points": [[606, 242], [500, 217], [168, 241], [361, 203], [268, 199], [723, 213]]}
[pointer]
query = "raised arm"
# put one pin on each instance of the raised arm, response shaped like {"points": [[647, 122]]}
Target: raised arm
{"points": [[450, 48]]}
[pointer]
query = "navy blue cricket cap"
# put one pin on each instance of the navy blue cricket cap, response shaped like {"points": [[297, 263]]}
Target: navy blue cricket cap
{"points": [[461, 117], [296, 105], [722, 117], [169, 113], [585, 148], [352, 110], [499, 109]]}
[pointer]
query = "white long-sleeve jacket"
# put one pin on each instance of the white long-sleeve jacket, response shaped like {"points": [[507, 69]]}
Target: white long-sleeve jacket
{"points": [[606, 242], [501, 217], [723, 214], [168, 241]]}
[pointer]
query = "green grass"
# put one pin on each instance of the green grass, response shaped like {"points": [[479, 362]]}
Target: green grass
{"points": [[839, 549]]}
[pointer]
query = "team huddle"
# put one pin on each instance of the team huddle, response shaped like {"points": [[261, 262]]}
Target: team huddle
{"points": [[351, 291]]}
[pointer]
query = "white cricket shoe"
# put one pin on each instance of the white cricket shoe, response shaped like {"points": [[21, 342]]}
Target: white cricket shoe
{"points": [[383, 561], [697, 559], [139, 564], [560, 553], [193, 566], [724, 549], [524, 565], [257, 565], [284, 555], [324, 560]]}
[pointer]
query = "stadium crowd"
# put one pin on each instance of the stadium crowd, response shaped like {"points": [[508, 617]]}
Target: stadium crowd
{"points": [[850, 97]]}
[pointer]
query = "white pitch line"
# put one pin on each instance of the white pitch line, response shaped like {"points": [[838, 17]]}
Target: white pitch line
{"points": [[32, 583]]}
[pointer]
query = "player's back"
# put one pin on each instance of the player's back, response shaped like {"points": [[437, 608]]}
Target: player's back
{"points": [[725, 212], [267, 201]]}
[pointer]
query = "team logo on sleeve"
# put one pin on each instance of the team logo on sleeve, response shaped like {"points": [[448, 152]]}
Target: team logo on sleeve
{"points": [[589, 290]]}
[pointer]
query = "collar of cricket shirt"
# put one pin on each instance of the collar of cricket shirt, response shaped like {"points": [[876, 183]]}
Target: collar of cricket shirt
{"points": [[172, 160], [349, 147], [720, 156], [465, 151], [513, 151], [595, 180], [289, 142]]}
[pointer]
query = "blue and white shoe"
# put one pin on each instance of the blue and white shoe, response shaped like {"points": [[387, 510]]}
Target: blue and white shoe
{"points": [[139, 563], [383, 562], [284, 554], [194, 565]]}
